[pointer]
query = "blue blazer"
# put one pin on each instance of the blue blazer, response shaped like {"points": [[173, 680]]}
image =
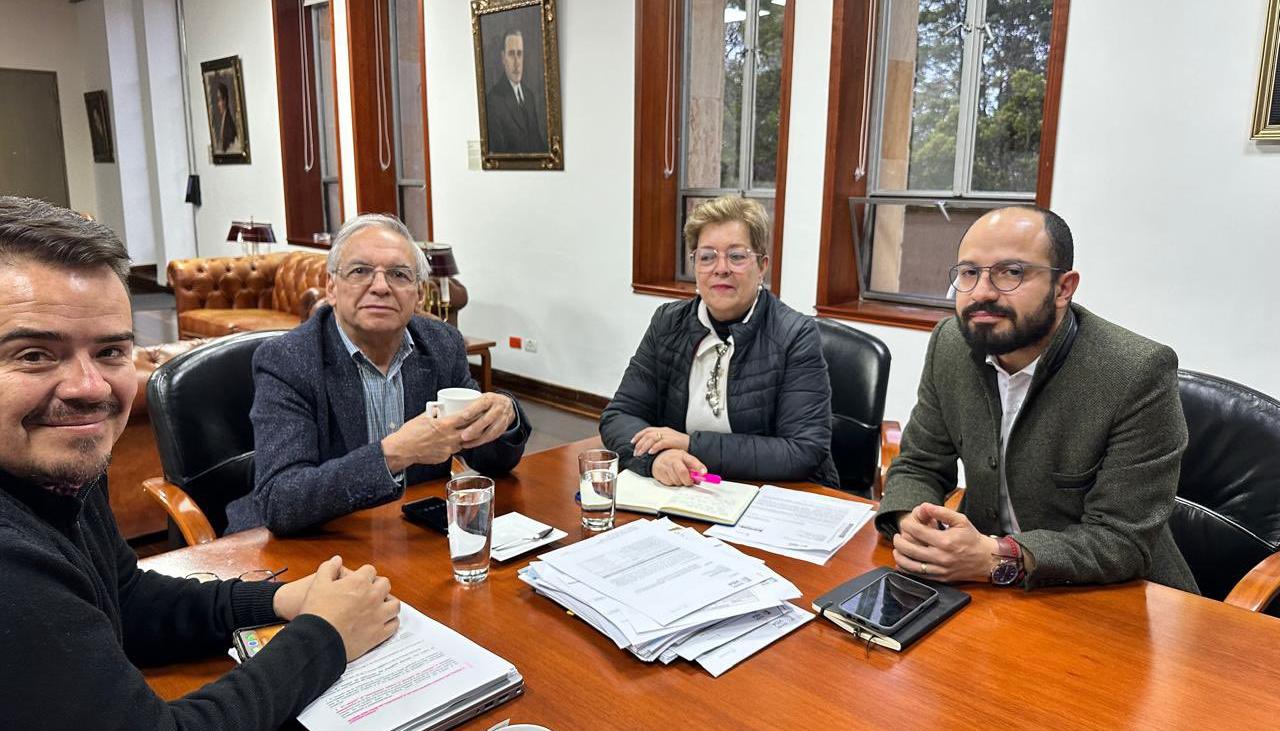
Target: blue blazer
{"points": [[313, 460]]}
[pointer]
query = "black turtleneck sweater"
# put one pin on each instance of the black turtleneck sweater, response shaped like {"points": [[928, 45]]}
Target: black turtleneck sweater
{"points": [[77, 616]]}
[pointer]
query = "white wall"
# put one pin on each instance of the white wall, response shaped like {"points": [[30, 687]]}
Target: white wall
{"points": [[545, 255], [37, 34], [1176, 214], [1174, 210], [216, 29], [160, 66], [95, 57]]}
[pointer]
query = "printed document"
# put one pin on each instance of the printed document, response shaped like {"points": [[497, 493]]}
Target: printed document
{"points": [[423, 670], [797, 524], [659, 574]]}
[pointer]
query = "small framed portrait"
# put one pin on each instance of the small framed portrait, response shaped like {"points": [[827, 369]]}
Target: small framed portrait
{"points": [[1266, 113], [224, 99], [95, 103], [518, 84]]}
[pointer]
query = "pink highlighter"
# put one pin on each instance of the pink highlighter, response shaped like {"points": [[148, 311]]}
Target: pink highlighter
{"points": [[706, 477]]}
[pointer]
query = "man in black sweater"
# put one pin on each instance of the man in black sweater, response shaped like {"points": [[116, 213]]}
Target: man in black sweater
{"points": [[76, 613]]}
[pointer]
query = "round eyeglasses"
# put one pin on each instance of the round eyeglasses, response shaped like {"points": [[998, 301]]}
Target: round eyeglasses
{"points": [[398, 277], [1005, 276], [254, 575], [739, 259]]}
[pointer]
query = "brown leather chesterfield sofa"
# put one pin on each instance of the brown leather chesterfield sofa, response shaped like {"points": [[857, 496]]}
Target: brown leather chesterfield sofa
{"points": [[230, 294]]}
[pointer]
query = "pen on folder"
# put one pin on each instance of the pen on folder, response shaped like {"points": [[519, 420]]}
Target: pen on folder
{"points": [[706, 477]]}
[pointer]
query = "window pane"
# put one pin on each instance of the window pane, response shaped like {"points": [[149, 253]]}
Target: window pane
{"points": [[1010, 105], [409, 88], [914, 246], [323, 53], [333, 206], [764, 165], [922, 52], [713, 70], [413, 210]]}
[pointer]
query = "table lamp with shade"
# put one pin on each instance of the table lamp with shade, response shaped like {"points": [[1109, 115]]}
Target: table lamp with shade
{"points": [[252, 235], [442, 266]]}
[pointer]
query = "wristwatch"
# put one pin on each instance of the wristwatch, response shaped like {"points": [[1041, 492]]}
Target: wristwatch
{"points": [[1008, 569]]}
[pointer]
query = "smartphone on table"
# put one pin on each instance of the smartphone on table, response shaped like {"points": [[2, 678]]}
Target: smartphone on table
{"points": [[249, 641], [889, 602], [431, 512]]}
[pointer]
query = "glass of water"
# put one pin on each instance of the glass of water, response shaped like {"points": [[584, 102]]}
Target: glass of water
{"points": [[470, 527], [597, 488]]}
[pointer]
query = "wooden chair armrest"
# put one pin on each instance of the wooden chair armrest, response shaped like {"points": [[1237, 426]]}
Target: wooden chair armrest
{"points": [[890, 447], [1258, 587], [182, 509], [953, 499]]}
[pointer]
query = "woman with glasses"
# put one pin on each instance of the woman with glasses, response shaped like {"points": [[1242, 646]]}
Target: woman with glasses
{"points": [[731, 382]]}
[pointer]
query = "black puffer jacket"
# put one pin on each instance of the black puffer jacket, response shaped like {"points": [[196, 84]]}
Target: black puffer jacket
{"points": [[779, 398]]}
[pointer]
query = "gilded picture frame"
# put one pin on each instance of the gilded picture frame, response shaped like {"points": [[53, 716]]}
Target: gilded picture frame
{"points": [[1266, 113], [517, 55], [223, 83]]}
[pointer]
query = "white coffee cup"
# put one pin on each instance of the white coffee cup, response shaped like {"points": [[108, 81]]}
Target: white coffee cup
{"points": [[450, 401]]}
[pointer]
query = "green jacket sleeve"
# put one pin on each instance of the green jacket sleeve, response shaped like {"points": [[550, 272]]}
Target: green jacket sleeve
{"points": [[925, 470]]}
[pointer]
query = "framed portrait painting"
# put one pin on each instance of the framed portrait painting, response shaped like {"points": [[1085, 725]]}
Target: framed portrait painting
{"points": [[1266, 113], [518, 84], [95, 104], [224, 100]]}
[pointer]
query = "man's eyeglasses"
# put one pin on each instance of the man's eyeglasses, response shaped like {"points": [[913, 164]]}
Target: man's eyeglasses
{"points": [[254, 575], [398, 277], [1005, 276], [704, 258]]}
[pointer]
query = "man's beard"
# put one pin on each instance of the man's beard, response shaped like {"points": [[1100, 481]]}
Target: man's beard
{"points": [[984, 340], [73, 471]]}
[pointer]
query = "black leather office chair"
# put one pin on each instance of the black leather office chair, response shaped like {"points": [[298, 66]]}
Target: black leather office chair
{"points": [[1226, 520], [861, 444], [199, 404]]}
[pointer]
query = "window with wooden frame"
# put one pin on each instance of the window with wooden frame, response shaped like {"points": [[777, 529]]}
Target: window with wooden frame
{"points": [[308, 120], [939, 111], [712, 101], [389, 111]]}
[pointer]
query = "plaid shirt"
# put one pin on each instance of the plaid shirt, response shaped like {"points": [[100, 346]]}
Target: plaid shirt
{"points": [[383, 395]]}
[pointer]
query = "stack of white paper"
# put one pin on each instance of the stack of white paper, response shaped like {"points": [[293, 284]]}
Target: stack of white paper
{"points": [[796, 524], [665, 592]]}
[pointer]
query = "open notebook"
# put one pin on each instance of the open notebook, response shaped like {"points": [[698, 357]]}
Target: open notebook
{"points": [[723, 503]]}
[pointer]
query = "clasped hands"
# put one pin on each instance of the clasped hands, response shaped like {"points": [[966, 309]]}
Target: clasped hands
{"points": [[942, 544], [358, 604], [673, 463], [427, 439]]}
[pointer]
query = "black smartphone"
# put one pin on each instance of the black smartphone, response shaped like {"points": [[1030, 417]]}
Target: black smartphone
{"points": [[431, 512], [249, 641], [889, 602]]}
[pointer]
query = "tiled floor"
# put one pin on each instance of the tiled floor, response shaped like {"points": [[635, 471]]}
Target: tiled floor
{"points": [[155, 321]]}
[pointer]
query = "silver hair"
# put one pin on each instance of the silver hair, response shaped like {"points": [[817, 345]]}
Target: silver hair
{"points": [[378, 220]]}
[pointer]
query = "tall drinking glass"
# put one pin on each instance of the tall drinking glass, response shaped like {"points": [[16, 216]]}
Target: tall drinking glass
{"points": [[597, 488], [470, 527]]}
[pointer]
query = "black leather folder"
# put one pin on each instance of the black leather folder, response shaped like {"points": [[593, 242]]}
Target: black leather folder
{"points": [[950, 600]]}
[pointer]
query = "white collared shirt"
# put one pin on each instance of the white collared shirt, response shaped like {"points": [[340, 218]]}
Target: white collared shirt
{"points": [[1013, 389], [518, 92], [699, 416]]}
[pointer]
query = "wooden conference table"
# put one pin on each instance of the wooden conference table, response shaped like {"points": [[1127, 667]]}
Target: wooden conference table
{"points": [[1137, 655]]}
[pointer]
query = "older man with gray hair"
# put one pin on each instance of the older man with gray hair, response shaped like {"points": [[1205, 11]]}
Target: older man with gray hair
{"points": [[338, 414]]}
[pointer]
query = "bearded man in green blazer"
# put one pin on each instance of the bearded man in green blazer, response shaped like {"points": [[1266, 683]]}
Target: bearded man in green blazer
{"points": [[1069, 427]]}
